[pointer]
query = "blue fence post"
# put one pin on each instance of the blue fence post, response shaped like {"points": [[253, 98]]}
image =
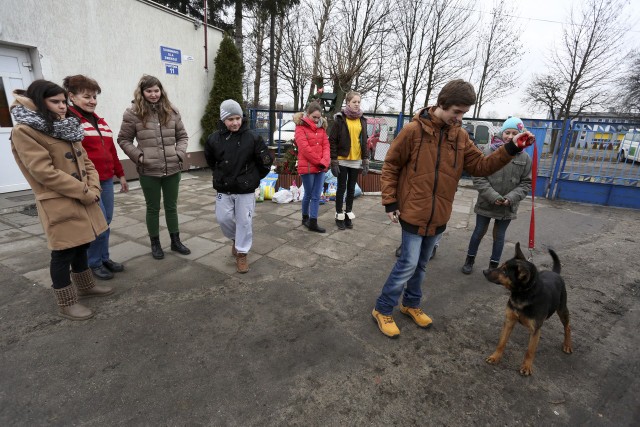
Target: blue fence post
{"points": [[399, 123], [558, 155]]}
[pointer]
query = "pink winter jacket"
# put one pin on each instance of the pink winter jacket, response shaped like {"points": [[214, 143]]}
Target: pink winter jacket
{"points": [[313, 145]]}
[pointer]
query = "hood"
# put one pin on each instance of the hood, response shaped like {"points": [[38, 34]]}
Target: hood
{"points": [[431, 124], [300, 118], [21, 99]]}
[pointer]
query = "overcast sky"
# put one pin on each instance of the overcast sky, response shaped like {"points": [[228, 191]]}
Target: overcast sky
{"points": [[538, 37]]}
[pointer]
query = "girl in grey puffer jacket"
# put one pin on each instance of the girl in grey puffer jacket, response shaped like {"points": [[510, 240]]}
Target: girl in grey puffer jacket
{"points": [[499, 196]]}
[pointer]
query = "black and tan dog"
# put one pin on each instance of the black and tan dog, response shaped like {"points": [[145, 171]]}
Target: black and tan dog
{"points": [[535, 296]]}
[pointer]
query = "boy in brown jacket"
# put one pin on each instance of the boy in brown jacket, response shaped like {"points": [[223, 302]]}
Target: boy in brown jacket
{"points": [[419, 180]]}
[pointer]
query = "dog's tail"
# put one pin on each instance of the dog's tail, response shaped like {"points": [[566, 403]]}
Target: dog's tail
{"points": [[556, 262]]}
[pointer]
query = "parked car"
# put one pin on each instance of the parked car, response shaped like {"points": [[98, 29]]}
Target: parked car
{"points": [[286, 133], [629, 146]]}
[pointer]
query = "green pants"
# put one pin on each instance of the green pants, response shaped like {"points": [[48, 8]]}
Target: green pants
{"points": [[153, 189]]}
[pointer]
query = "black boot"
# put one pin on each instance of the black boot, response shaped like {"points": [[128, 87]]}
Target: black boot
{"points": [[305, 220], [468, 264], [156, 248], [340, 221], [313, 226], [347, 219], [176, 244], [492, 265]]}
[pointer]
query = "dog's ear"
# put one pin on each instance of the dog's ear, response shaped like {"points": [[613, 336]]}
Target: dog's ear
{"points": [[524, 274], [519, 254]]}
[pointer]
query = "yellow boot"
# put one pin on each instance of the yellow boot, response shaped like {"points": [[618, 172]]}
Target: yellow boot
{"points": [[386, 324], [417, 315]]}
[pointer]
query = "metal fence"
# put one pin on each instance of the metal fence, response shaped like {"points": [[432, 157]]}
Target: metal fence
{"points": [[588, 162]]}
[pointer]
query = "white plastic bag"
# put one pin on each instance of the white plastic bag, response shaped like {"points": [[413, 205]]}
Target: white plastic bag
{"points": [[282, 196]]}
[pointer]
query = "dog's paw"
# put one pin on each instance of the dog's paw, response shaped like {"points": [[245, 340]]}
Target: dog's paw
{"points": [[567, 349], [493, 359], [526, 369]]}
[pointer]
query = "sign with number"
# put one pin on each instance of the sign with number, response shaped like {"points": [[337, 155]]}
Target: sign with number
{"points": [[168, 54], [171, 69]]}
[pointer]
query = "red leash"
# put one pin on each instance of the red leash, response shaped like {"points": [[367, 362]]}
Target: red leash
{"points": [[534, 176]]}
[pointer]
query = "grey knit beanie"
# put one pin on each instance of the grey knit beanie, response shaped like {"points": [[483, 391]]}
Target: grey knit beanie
{"points": [[229, 108]]}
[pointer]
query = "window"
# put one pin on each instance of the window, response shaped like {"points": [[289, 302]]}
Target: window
{"points": [[5, 116]]}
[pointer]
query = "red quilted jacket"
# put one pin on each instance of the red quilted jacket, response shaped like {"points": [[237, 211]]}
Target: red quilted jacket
{"points": [[313, 145]]}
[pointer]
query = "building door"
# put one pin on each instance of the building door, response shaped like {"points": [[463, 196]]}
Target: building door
{"points": [[15, 73]]}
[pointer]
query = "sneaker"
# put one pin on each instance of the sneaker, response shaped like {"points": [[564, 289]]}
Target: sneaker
{"points": [[113, 266], [417, 315], [242, 265], [386, 324], [102, 273]]}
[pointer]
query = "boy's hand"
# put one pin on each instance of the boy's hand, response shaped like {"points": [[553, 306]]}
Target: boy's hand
{"points": [[524, 139]]}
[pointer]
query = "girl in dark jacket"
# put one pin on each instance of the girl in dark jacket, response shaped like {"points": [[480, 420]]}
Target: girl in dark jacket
{"points": [[238, 159], [349, 153], [313, 161]]}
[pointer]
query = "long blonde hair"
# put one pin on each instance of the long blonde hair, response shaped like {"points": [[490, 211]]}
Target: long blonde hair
{"points": [[144, 109]]}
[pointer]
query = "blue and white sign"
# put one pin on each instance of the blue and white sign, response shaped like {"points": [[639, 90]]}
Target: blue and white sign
{"points": [[168, 54], [171, 69]]}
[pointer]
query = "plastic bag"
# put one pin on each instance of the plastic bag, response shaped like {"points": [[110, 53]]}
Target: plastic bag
{"points": [[282, 196], [268, 185], [300, 193], [259, 193]]}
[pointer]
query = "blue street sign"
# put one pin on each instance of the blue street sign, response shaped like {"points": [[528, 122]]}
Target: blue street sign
{"points": [[171, 69], [168, 54]]}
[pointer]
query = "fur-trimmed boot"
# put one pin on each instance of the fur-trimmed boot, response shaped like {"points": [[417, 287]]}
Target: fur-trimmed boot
{"points": [[156, 248], [177, 246], [68, 305], [87, 286], [340, 220], [347, 221]]}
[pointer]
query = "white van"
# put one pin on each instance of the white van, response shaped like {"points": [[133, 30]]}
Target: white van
{"points": [[481, 130], [629, 146]]}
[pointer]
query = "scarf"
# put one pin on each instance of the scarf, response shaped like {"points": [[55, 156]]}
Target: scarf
{"points": [[351, 114], [496, 143], [68, 129]]}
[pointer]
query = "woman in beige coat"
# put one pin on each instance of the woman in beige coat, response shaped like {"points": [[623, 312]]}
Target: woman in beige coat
{"points": [[48, 149], [159, 154]]}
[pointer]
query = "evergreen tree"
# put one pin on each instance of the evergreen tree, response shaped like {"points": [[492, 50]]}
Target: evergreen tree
{"points": [[227, 84]]}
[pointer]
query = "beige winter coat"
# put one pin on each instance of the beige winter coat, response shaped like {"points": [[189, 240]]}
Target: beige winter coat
{"points": [[64, 182], [163, 147]]}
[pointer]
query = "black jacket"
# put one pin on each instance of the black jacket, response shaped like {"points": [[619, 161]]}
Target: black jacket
{"points": [[340, 140], [238, 160]]}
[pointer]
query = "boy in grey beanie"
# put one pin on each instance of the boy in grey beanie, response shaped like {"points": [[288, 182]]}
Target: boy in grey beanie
{"points": [[229, 108]]}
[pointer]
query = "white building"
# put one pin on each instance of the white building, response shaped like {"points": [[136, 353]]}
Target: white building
{"points": [[114, 42]]}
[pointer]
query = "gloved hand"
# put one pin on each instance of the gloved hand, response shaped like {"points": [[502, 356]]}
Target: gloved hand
{"points": [[365, 166], [524, 139], [335, 168]]}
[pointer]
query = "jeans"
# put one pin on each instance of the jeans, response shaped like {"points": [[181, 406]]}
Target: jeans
{"points": [[154, 188], [409, 270], [98, 251], [499, 233], [346, 182], [313, 185], [61, 260]]}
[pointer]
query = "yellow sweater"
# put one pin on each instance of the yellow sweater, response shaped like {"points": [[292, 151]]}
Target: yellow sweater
{"points": [[355, 128]]}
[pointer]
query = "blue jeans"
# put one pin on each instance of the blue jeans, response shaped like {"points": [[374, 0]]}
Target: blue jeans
{"points": [[499, 233], [98, 251], [410, 269], [313, 185]]}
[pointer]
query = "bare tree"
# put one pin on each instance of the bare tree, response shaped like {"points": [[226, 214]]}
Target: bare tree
{"points": [[257, 37], [450, 22], [496, 52], [354, 44], [545, 91], [409, 27], [383, 87], [320, 21], [294, 68], [629, 86]]}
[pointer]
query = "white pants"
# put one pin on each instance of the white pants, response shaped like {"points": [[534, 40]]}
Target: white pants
{"points": [[234, 213]]}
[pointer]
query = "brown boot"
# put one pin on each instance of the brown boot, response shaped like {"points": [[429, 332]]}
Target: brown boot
{"points": [[87, 286], [69, 308], [242, 265]]}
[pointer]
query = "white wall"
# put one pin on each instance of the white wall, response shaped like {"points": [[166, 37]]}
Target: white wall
{"points": [[114, 42]]}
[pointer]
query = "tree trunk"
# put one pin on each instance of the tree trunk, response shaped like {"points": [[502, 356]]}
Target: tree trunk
{"points": [[238, 27], [317, 46], [259, 58], [272, 75]]}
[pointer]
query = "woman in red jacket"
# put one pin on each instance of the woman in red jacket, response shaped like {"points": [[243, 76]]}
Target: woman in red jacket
{"points": [[313, 161], [98, 142]]}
